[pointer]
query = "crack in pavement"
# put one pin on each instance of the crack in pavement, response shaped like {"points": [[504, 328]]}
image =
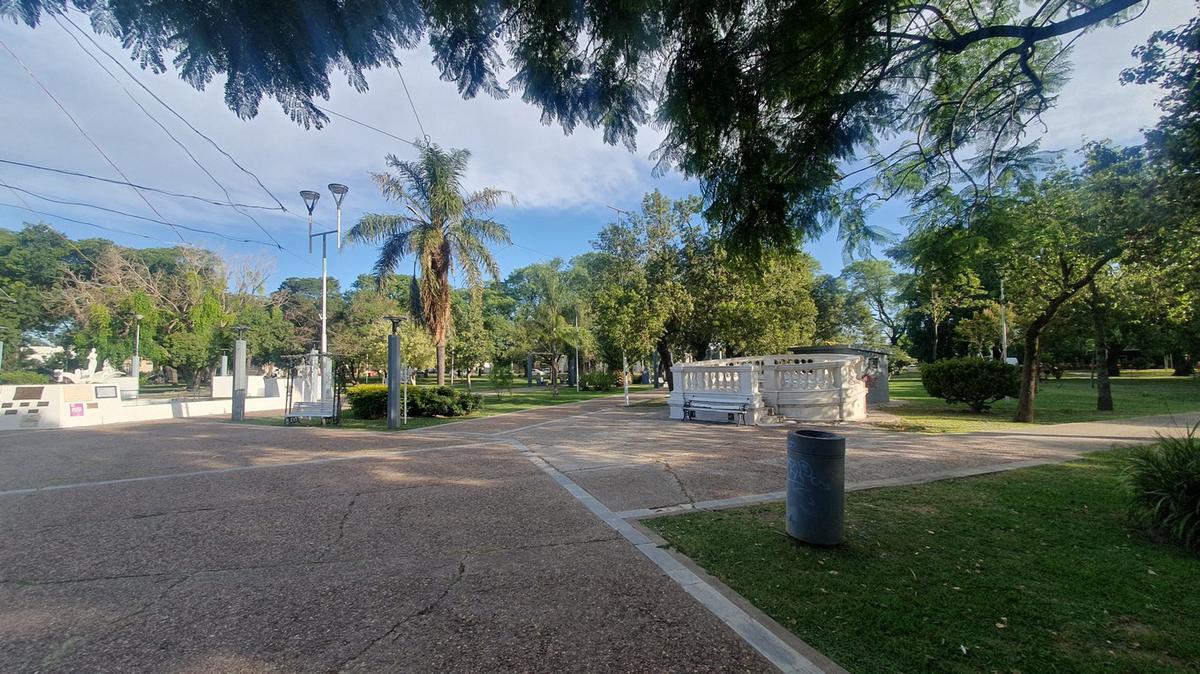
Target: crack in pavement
{"points": [[394, 630], [678, 482], [345, 516]]}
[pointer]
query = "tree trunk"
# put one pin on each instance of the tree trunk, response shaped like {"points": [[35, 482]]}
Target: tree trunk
{"points": [[1029, 376], [1104, 401], [441, 363], [934, 345], [625, 376], [665, 361]]}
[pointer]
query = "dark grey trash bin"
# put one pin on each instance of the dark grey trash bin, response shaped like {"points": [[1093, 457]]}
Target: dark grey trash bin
{"points": [[816, 486]]}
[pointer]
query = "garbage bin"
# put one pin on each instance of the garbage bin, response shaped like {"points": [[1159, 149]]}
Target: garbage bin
{"points": [[816, 486]]}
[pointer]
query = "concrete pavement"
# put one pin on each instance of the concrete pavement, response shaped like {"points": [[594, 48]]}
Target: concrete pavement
{"points": [[504, 543]]}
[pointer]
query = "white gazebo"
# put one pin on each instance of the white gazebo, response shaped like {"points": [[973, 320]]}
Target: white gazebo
{"points": [[770, 389]]}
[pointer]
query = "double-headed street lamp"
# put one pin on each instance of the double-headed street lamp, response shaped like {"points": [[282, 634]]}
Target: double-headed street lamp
{"points": [[310, 202]]}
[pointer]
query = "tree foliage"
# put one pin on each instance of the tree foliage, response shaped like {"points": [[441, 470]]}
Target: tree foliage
{"points": [[442, 226], [760, 101]]}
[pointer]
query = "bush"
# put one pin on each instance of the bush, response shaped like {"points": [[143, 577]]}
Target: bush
{"points": [[22, 377], [1163, 480], [502, 377], [596, 381], [974, 381], [369, 401], [898, 359]]}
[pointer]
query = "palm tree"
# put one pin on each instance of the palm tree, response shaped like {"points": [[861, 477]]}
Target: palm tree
{"points": [[443, 228]]}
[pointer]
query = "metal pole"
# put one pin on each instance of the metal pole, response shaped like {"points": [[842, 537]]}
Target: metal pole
{"points": [[1003, 325], [393, 382], [239, 380], [625, 376], [326, 362], [576, 349], [135, 363]]}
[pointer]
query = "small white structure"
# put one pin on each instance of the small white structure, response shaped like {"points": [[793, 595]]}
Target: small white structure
{"points": [[769, 389]]}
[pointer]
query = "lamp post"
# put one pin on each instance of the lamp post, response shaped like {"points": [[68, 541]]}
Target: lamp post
{"points": [[135, 363], [238, 407], [397, 411], [310, 202]]}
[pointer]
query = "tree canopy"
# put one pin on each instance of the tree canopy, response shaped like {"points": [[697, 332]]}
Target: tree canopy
{"points": [[762, 102]]}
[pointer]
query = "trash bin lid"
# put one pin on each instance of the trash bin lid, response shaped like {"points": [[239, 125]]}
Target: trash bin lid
{"points": [[812, 441]]}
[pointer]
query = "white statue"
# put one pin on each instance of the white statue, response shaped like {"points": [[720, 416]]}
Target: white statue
{"points": [[90, 375]]}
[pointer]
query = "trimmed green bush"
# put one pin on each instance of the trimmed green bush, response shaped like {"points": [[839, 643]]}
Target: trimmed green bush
{"points": [[1163, 480], [369, 401], [22, 377], [974, 381], [596, 381]]}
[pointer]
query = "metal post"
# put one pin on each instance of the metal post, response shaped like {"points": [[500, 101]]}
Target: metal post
{"points": [[529, 370], [397, 410], [239, 375], [393, 382], [625, 376], [135, 363], [313, 376], [1003, 325], [576, 374], [224, 363]]}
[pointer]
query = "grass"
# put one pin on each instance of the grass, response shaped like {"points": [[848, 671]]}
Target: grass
{"points": [[493, 404], [1067, 400], [1035, 570]]}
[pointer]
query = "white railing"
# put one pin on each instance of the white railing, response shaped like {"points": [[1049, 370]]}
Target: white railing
{"points": [[802, 387]]}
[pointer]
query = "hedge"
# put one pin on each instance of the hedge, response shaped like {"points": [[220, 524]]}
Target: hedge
{"points": [[369, 401]]}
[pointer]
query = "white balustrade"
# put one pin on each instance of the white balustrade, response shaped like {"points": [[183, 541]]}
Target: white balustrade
{"points": [[811, 387]]}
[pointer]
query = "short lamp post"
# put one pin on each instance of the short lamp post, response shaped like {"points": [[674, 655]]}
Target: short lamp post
{"points": [[240, 379], [135, 363], [397, 405], [310, 202]]}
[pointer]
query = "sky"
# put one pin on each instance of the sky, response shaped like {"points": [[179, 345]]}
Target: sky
{"points": [[563, 185]]}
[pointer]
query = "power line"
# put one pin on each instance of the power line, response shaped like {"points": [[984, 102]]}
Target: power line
{"points": [[181, 118], [365, 125], [156, 190], [81, 131], [167, 131], [410, 102], [82, 222], [84, 204]]}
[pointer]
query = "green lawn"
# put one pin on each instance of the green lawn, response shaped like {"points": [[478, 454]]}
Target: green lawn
{"points": [[493, 404], [1070, 399], [1033, 570]]}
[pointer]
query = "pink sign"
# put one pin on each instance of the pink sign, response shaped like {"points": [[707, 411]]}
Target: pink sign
{"points": [[76, 409]]}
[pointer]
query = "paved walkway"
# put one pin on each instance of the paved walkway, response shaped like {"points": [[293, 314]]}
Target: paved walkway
{"points": [[506, 543]]}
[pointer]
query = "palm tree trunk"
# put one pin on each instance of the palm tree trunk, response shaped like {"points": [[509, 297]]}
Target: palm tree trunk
{"points": [[441, 362]]}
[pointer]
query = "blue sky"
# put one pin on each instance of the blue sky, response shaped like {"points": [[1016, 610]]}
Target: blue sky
{"points": [[563, 184]]}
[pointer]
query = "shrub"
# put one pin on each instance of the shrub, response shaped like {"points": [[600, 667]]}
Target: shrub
{"points": [[368, 401], [23, 377], [1163, 481], [502, 377], [898, 359], [974, 381], [596, 381]]}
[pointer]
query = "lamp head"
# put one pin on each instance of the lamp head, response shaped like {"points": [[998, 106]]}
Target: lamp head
{"points": [[240, 330], [138, 316], [310, 199], [339, 192], [396, 321]]}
